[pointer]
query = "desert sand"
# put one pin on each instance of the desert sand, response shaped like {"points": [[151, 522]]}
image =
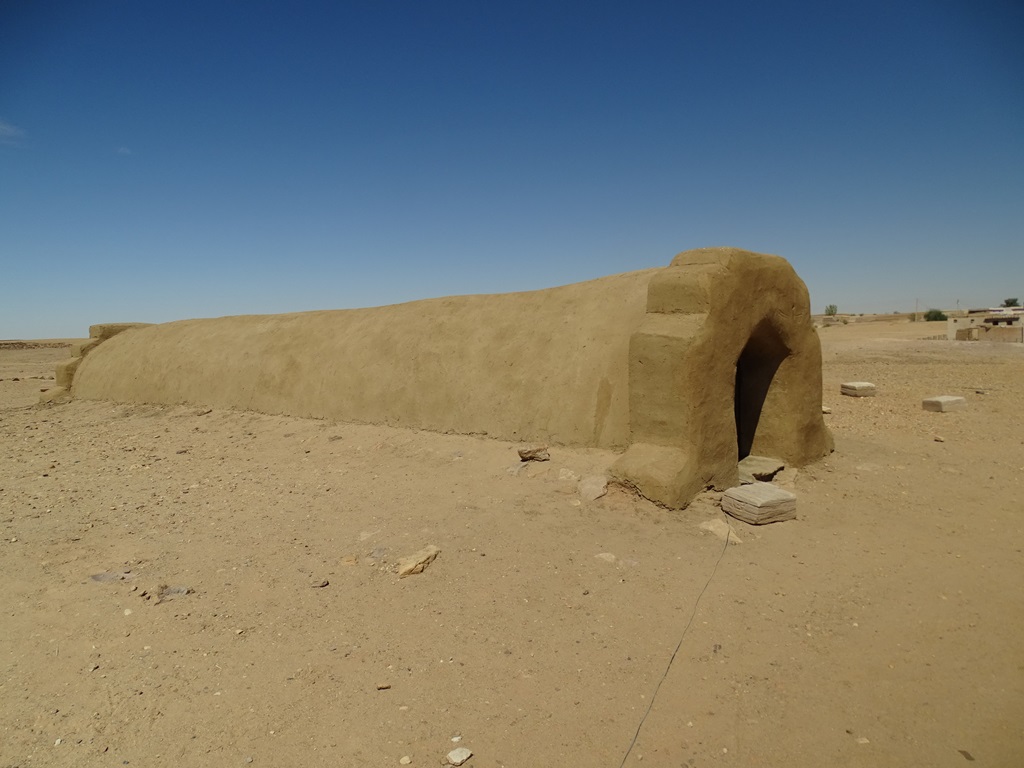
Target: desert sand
{"points": [[194, 587]]}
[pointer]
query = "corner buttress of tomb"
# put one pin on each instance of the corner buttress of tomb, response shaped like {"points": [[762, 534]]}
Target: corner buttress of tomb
{"points": [[659, 359], [64, 373], [667, 475]]}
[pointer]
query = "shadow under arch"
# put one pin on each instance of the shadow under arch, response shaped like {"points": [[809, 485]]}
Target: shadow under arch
{"points": [[756, 366]]}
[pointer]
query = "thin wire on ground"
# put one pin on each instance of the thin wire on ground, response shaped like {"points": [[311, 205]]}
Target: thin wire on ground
{"points": [[679, 645]]}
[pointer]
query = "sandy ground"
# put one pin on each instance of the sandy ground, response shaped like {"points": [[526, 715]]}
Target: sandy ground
{"points": [[186, 587]]}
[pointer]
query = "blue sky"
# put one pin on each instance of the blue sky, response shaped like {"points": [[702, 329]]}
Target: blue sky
{"points": [[168, 160]]}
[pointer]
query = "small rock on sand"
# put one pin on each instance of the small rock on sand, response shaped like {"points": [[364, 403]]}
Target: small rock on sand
{"points": [[721, 529], [417, 562], [593, 487], [535, 453], [459, 756], [164, 592], [754, 468]]}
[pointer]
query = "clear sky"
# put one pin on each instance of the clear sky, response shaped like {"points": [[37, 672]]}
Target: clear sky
{"points": [[184, 159]]}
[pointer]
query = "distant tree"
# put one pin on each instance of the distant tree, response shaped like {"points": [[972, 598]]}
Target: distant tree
{"points": [[934, 314], [1011, 302], [831, 310]]}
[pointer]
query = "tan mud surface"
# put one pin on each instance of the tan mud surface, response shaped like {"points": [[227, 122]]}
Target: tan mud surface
{"points": [[190, 588]]}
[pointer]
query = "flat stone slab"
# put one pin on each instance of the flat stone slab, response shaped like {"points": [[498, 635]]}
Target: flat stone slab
{"points": [[754, 468], [759, 503], [858, 389], [944, 403], [593, 487]]}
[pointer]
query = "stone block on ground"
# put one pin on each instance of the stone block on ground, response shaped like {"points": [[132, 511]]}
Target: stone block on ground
{"points": [[759, 503], [944, 403], [858, 389], [754, 468]]}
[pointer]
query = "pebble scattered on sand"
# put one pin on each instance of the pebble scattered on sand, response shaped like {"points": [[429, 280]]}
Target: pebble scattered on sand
{"points": [[535, 453], [459, 756]]}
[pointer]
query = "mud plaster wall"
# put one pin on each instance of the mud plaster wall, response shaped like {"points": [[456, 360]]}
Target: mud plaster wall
{"points": [[645, 362], [543, 365]]}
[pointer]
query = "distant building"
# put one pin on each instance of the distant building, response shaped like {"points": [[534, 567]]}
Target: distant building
{"points": [[994, 324]]}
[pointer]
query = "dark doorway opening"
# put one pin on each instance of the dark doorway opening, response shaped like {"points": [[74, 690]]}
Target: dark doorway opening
{"points": [[755, 369]]}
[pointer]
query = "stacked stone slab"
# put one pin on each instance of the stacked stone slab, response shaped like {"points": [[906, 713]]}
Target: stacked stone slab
{"points": [[759, 503], [858, 389]]}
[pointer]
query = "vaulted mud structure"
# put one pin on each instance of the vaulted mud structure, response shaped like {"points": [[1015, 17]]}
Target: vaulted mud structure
{"points": [[725, 363], [684, 369]]}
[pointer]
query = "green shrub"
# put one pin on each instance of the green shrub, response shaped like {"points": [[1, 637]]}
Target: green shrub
{"points": [[934, 314], [831, 310]]}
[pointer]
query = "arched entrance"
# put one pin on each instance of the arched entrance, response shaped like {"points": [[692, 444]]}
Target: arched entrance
{"points": [[755, 369], [725, 363]]}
